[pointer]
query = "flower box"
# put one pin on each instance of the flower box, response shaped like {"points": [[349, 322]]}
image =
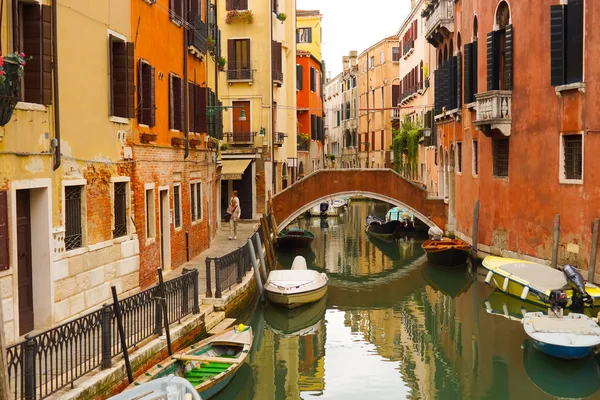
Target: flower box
{"points": [[177, 141], [195, 142], [148, 137], [11, 71], [236, 16]]}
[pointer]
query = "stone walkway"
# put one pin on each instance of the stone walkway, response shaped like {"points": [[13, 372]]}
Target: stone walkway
{"points": [[219, 246]]}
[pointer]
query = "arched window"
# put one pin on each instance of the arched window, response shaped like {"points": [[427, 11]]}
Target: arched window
{"points": [[440, 58], [458, 42], [451, 48], [445, 53], [301, 169], [284, 176], [475, 27], [500, 46]]}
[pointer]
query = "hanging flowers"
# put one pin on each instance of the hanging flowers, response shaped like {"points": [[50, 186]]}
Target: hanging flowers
{"points": [[16, 64], [234, 16]]}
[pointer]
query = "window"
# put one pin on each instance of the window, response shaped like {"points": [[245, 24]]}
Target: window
{"points": [[276, 61], [73, 214], [197, 107], [371, 62], [395, 54], [566, 43], [572, 159], [176, 10], [150, 213], [121, 78], [177, 205], [238, 64], [236, 4], [147, 100], [475, 158], [175, 103], [500, 150], [459, 155], [120, 209], [313, 83], [304, 35], [500, 52], [338, 114], [299, 80], [32, 33], [470, 72], [381, 57], [196, 201]]}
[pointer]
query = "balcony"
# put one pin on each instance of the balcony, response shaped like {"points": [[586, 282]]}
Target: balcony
{"points": [[408, 94], [279, 138], [198, 38], [494, 112], [240, 138], [304, 145], [396, 114], [408, 48], [239, 72], [278, 78], [440, 21]]}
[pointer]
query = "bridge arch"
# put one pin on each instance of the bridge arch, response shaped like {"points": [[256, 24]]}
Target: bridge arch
{"points": [[379, 184]]}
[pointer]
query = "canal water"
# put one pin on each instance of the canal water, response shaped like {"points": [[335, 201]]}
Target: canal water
{"points": [[394, 327]]}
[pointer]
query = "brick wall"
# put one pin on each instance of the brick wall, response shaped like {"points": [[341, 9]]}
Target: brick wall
{"points": [[260, 186], [165, 166]]}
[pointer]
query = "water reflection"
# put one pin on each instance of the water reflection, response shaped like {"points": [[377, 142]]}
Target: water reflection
{"points": [[394, 327]]}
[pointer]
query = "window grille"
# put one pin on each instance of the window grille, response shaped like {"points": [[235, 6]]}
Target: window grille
{"points": [[120, 209], [73, 231], [573, 156], [500, 149]]}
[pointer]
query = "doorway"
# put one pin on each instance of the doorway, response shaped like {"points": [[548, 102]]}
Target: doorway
{"points": [[25, 267], [165, 230], [244, 188]]}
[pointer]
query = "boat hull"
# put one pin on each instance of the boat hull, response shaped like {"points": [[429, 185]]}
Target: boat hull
{"points": [[448, 257], [288, 242], [296, 299], [568, 353]]}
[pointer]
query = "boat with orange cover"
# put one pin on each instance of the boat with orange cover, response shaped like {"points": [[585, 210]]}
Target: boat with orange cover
{"points": [[447, 252]]}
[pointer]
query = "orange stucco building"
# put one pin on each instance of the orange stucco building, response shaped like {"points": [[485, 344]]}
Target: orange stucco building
{"points": [[516, 121], [310, 111], [174, 184]]}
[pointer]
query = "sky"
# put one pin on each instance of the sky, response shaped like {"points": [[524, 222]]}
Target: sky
{"points": [[355, 25]]}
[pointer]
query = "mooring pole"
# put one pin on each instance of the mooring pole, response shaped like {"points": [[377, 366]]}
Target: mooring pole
{"points": [[475, 232], [117, 310], [555, 244], [255, 266], [592, 267], [163, 299], [261, 256]]}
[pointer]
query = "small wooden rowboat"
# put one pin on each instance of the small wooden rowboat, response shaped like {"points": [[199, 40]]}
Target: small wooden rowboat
{"points": [[447, 252], [294, 238], [208, 365]]}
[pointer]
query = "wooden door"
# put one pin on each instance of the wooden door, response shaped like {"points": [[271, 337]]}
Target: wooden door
{"points": [[25, 279]]}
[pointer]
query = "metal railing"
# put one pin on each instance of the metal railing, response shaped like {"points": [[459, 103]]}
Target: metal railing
{"points": [[198, 37], [279, 138], [240, 137], [230, 268], [46, 362], [277, 76], [409, 45], [304, 145], [239, 71]]}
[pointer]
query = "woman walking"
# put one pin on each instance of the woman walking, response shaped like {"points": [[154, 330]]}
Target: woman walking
{"points": [[234, 212]]}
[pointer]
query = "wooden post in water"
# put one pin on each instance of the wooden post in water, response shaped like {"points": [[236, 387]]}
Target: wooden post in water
{"points": [[475, 232], [163, 299], [592, 267], [555, 244], [5, 392], [265, 231], [117, 310]]}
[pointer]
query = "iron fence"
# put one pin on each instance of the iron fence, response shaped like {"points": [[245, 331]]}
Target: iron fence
{"points": [[46, 362]]}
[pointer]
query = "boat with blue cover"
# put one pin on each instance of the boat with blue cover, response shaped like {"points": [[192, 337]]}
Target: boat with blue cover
{"points": [[562, 336]]}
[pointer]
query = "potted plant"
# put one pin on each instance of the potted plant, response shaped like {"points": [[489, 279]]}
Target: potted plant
{"points": [[194, 142], [282, 17], [211, 43], [147, 137], [222, 63], [224, 147], [12, 67], [303, 137], [234, 16]]}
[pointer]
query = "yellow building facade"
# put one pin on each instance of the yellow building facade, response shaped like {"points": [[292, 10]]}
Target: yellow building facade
{"points": [[66, 235], [259, 83], [309, 32]]}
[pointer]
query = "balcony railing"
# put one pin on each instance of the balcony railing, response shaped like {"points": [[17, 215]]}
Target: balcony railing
{"points": [[278, 78], [408, 93], [440, 21], [396, 56], [494, 111], [396, 113], [198, 37], [240, 137], [304, 145], [279, 138], [239, 71], [408, 46]]}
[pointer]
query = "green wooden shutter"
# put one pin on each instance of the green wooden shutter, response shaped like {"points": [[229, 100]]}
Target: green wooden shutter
{"points": [[493, 72], [201, 94], [474, 70], [130, 81], [458, 76], [467, 73], [574, 42], [192, 107], [152, 119], [4, 259], [299, 77], [508, 59]]}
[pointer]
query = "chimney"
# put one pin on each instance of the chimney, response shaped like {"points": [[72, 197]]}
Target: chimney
{"points": [[346, 63], [353, 55]]}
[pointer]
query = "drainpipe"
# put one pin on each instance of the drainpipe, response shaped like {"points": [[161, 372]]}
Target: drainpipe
{"points": [[274, 166], [367, 143], [217, 52], [55, 78], [186, 93]]}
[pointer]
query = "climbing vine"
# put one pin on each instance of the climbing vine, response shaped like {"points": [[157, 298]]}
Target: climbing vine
{"points": [[405, 147]]}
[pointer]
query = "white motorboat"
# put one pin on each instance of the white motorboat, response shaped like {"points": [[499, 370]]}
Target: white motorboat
{"points": [[331, 208], [297, 286]]}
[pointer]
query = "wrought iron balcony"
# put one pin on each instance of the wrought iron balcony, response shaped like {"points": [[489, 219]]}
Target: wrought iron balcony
{"points": [[198, 37], [304, 145], [440, 21], [238, 138], [494, 112], [408, 46], [278, 78], [240, 72], [279, 138]]}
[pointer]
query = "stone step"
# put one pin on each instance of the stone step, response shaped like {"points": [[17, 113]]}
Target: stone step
{"points": [[213, 319], [206, 309], [221, 326]]}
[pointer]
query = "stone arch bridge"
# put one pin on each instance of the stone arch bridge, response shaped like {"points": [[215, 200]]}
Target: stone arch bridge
{"points": [[380, 184]]}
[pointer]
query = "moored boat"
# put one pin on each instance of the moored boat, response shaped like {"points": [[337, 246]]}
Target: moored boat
{"points": [[208, 365], [168, 387], [380, 229], [297, 286], [562, 336], [539, 283], [447, 252], [294, 238], [327, 209]]}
